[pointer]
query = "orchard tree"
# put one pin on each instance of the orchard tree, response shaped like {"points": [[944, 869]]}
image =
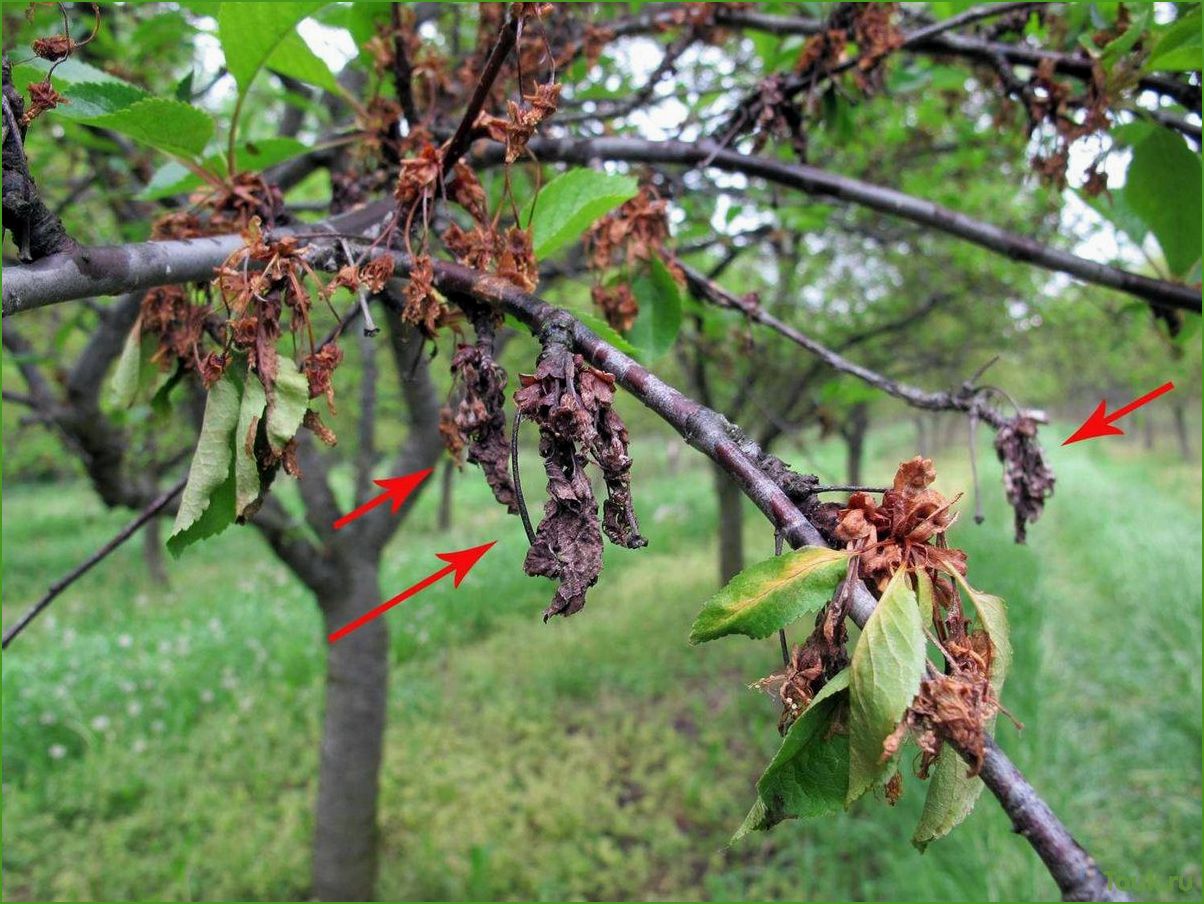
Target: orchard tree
{"points": [[799, 210]]}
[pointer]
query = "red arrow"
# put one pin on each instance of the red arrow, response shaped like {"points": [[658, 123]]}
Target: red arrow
{"points": [[460, 562], [1100, 423], [396, 488]]}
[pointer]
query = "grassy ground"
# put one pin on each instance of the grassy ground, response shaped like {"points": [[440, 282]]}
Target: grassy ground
{"points": [[162, 744]]}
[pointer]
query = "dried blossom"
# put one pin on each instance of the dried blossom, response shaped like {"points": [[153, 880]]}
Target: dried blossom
{"points": [[877, 37], [42, 97], [319, 368], [477, 248], [524, 120], [422, 307], [419, 176], [635, 232], [54, 48], [618, 305], [168, 313], [812, 664], [467, 191], [516, 262], [312, 421], [377, 272], [211, 368], [1027, 479], [899, 531]]}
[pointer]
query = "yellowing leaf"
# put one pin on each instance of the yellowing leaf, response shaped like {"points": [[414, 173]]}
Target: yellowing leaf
{"points": [[247, 483], [772, 594], [286, 406], [884, 676]]}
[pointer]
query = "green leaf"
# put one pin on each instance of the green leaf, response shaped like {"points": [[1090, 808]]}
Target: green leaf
{"points": [[655, 328], [1117, 211], [247, 482], [951, 792], [292, 57], [207, 505], [571, 202], [1179, 49], [286, 404], [168, 125], [1118, 47], [251, 32], [129, 376], [772, 594], [608, 334], [71, 71], [809, 774], [885, 673], [1163, 188]]}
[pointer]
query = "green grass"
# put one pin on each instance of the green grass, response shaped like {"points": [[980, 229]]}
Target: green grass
{"points": [[162, 744]]}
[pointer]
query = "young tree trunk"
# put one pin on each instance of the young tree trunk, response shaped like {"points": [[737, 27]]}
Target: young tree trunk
{"points": [[1179, 411], [446, 495], [854, 438], [731, 525], [357, 671], [1147, 425], [152, 553]]}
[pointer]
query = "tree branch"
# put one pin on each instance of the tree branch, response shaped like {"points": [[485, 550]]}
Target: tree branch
{"points": [[151, 511]]}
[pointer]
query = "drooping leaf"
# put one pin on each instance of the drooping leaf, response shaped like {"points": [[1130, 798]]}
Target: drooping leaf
{"points": [[1163, 188], [207, 504], [292, 57], [951, 792], [135, 372], [567, 205], [251, 32], [286, 405], [772, 594], [885, 673], [655, 329], [247, 483], [809, 774], [925, 596]]}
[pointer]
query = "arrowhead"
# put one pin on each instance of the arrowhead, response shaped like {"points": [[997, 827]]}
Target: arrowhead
{"points": [[463, 560], [1096, 425], [399, 488]]}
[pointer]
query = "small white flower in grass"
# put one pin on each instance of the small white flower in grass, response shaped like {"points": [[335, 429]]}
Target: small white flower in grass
{"points": [[57, 751], [157, 726], [139, 745], [100, 723], [125, 641], [165, 646], [127, 687], [134, 708], [47, 718], [206, 696]]}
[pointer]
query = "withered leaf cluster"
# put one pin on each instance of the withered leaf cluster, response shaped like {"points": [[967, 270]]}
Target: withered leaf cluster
{"points": [[478, 420], [898, 532], [571, 402], [1027, 478]]}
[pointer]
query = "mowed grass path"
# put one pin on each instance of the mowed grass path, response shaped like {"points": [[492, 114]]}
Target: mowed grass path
{"points": [[162, 744]]}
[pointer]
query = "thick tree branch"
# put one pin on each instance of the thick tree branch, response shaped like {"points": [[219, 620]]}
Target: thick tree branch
{"points": [[816, 181]]}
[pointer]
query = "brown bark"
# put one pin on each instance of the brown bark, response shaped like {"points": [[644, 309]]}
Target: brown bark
{"points": [[357, 678]]}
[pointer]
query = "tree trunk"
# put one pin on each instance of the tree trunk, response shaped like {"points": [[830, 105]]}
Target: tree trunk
{"points": [[357, 672], [152, 553], [446, 495], [1181, 433], [1147, 429], [731, 526], [854, 438]]}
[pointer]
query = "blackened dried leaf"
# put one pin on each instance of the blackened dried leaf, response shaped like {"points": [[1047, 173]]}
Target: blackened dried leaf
{"points": [[479, 419], [571, 403], [1027, 478]]}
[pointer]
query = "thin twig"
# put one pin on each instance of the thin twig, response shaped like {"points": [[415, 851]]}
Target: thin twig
{"points": [[160, 503], [460, 141]]}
